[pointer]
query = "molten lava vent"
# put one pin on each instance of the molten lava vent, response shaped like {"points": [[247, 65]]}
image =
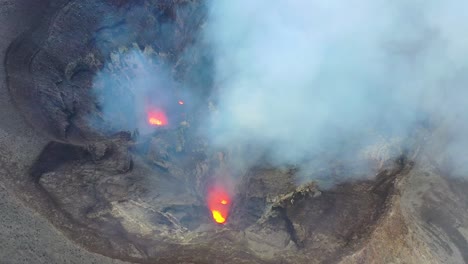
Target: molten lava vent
{"points": [[219, 203], [157, 117]]}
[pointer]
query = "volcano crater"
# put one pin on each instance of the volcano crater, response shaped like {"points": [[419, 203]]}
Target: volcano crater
{"points": [[141, 195]]}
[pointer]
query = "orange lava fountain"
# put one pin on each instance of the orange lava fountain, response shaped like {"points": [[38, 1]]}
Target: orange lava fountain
{"points": [[219, 203]]}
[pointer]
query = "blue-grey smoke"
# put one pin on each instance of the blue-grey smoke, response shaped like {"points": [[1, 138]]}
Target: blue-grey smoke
{"points": [[148, 61], [130, 86], [310, 83], [317, 80]]}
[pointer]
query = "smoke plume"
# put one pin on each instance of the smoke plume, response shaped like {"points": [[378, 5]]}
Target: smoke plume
{"points": [[318, 81], [313, 83], [130, 86]]}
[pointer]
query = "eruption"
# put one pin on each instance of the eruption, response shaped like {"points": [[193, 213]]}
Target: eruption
{"points": [[157, 117], [218, 201]]}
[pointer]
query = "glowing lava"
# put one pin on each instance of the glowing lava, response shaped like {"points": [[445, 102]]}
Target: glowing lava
{"points": [[219, 203], [154, 121], [157, 117], [218, 217]]}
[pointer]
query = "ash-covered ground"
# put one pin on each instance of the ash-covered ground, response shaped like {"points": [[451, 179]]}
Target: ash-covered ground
{"points": [[120, 189]]}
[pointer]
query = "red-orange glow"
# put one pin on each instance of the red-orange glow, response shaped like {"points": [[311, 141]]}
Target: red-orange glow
{"points": [[181, 102], [157, 118], [218, 202], [154, 121]]}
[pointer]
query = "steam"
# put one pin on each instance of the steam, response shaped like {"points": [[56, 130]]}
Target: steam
{"points": [[309, 83], [303, 81], [132, 84]]}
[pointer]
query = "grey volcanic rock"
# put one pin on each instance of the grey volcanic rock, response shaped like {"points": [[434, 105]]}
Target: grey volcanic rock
{"points": [[26, 235]]}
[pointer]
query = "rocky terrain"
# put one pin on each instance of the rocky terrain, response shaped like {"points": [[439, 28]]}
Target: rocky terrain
{"points": [[75, 192]]}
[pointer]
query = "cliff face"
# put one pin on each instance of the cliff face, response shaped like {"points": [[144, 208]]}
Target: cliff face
{"points": [[141, 197], [422, 224]]}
